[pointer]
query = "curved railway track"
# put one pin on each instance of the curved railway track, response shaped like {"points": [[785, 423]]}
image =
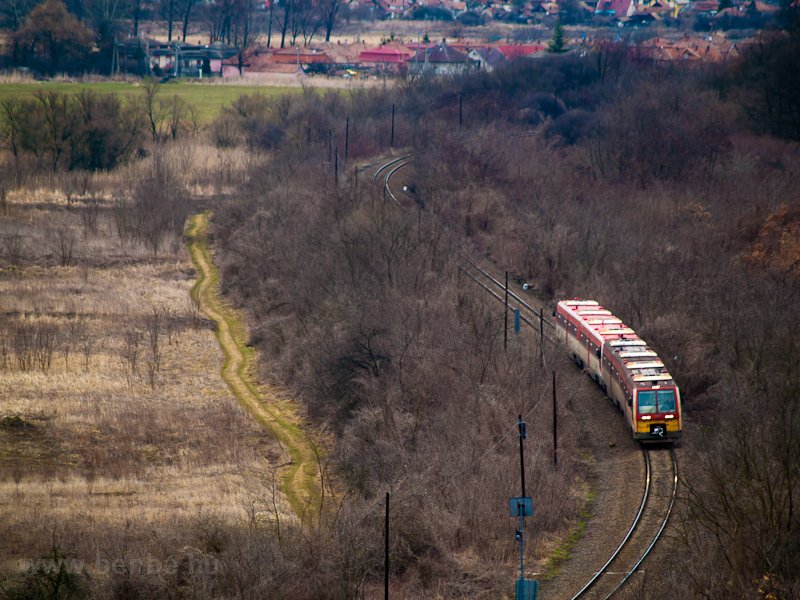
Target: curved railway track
{"points": [[660, 465], [655, 509], [386, 171]]}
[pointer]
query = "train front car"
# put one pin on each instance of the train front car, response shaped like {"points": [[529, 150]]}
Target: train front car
{"points": [[653, 406], [658, 413], [624, 366]]}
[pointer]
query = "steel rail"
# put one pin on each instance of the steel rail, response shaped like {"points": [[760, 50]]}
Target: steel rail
{"points": [[638, 518], [523, 318], [539, 315], [660, 529], [387, 165], [389, 176], [499, 284], [493, 293]]}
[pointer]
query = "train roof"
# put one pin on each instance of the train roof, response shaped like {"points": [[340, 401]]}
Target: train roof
{"points": [[639, 362]]}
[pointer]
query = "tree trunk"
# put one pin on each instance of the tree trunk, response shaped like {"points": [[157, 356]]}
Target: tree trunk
{"points": [[269, 27], [186, 17], [137, 9]]}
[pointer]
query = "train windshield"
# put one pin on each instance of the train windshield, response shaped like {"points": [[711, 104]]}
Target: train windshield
{"points": [[666, 401], [656, 401], [647, 402]]}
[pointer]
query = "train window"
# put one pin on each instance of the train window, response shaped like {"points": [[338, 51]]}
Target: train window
{"points": [[647, 402], [666, 401]]}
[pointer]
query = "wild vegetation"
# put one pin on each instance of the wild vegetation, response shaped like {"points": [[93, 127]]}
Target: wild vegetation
{"points": [[666, 193], [657, 190]]}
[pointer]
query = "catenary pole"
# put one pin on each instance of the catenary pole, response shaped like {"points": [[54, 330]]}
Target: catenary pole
{"points": [[386, 553], [505, 317], [555, 423]]}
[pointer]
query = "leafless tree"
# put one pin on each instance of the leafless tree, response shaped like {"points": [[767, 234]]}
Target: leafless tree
{"points": [[329, 11], [62, 243], [185, 10], [167, 9], [71, 336], [153, 326], [13, 245], [89, 215], [59, 124]]}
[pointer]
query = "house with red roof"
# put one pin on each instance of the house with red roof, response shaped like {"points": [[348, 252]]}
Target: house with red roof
{"points": [[389, 58], [512, 51]]}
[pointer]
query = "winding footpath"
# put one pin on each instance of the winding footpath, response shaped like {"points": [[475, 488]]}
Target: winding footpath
{"points": [[300, 481]]}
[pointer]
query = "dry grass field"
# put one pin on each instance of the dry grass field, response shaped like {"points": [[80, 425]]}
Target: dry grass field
{"points": [[118, 438]]}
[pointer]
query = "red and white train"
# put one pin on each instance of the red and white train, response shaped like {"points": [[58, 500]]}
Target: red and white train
{"points": [[624, 366]]}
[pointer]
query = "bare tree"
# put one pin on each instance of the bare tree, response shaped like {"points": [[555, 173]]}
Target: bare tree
{"points": [[130, 351], [167, 9], [13, 246], [181, 117], [71, 337], [136, 15], [33, 344], [59, 124], [62, 243], [152, 107], [185, 10], [305, 22], [329, 10], [89, 215], [160, 204], [11, 125]]}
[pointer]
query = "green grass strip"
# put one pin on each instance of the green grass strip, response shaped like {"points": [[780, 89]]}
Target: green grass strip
{"points": [[300, 480], [563, 551]]}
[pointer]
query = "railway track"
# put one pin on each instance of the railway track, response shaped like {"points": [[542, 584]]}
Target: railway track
{"points": [[658, 499], [386, 171], [660, 465]]}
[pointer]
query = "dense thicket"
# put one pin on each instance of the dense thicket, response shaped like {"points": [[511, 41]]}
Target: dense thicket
{"points": [[87, 131], [59, 131], [646, 187], [362, 310]]}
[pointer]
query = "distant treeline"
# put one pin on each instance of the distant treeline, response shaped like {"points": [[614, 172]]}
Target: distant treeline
{"points": [[79, 36]]}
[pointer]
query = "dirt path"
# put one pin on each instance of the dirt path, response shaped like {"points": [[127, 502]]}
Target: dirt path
{"points": [[299, 480]]}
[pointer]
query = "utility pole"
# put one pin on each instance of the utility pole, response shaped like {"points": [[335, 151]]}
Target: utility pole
{"points": [[336, 167], [541, 336], [346, 139], [386, 553], [391, 141], [505, 318], [555, 423], [523, 434], [526, 589]]}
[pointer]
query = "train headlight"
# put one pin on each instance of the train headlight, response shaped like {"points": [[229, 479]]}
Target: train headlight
{"points": [[646, 418], [669, 416]]}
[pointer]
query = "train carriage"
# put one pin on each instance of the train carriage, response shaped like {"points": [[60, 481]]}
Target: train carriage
{"points": [[624, 366]]}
